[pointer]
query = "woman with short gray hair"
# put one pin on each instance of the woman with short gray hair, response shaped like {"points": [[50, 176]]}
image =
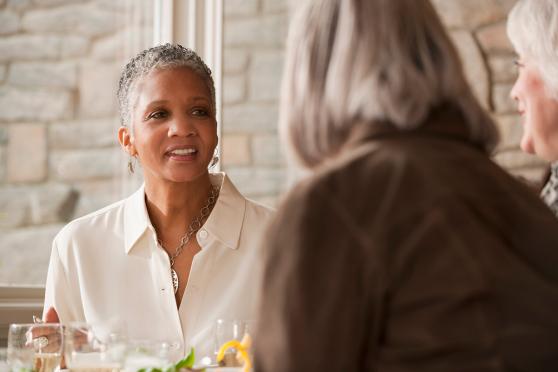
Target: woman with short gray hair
{"points": [[165, 263], [407, 248], [533, 30]]}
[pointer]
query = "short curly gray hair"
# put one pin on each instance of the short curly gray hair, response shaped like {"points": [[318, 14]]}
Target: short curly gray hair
{"points": [[165, 56]]}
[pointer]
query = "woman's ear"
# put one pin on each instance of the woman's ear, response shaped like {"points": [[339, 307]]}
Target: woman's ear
{"points": [[126, 141]]}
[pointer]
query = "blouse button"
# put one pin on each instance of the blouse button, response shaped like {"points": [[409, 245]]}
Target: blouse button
{"points": [[202, 234]]}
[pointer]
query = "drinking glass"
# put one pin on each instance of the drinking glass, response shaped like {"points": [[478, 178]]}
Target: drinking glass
{"points": [[227, 330], [85, 352], [146, 354], [4, 367], [35, 347]]}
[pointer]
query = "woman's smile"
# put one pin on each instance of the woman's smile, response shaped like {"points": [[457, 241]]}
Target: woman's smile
{"points": [[182, 153]]}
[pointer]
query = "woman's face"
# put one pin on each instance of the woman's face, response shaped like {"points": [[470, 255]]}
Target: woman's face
{"points": [[539, 112], [173, 123]]}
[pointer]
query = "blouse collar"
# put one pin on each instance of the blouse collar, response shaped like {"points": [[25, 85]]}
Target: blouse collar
{"points": [[224, 223]]}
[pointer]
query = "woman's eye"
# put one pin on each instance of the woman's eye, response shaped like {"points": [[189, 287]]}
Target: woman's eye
{"points": [[200, 112], [517, 63], [157, 115]]}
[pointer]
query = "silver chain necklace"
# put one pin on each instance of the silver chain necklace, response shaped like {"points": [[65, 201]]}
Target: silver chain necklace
{"points": [[193, 228]]}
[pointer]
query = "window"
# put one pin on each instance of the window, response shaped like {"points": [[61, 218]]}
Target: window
{"points": [[59, 157]]}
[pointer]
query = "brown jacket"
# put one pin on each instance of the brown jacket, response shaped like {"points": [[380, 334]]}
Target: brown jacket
{"points": [[413, 251]]}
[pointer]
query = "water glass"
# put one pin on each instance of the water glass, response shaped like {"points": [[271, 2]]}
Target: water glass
{"points": [[146, 354], [227, 330], [35, 347], [85, 352]]}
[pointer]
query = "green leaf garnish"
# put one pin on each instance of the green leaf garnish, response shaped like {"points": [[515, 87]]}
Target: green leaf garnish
{"points": [[187, 362]]}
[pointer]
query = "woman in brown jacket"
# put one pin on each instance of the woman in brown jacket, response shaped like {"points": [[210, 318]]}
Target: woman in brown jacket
{"points": [[407, 249]]}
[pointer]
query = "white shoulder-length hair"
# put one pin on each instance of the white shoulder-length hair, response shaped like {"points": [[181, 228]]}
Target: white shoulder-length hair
{"points": [[361, 61], [533, 30]]}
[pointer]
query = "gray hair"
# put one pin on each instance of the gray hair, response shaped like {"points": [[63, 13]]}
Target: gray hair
{"points": [[533, 30], [165, 56], [363, 61]]}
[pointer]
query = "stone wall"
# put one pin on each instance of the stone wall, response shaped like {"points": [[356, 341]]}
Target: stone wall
{"points": [[59, 66], [254, 40]]}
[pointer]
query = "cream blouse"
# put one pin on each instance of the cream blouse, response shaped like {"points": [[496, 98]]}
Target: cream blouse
{"points": [[106, 269]]}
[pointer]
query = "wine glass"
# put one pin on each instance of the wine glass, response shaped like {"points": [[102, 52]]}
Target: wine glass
{"points": [[35, 347], [85, 352]]}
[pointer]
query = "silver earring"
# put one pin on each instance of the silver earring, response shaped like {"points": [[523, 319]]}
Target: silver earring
{"points": [[130, 166], [214, 161]]}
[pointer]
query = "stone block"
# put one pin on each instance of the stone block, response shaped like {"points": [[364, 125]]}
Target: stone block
{"points": [[235, 150], [234, 89], [37, 104], [97, 86], [474, 64], [48, 3], [9, 22], [83, 134], [235, 61], [266, 150], [3, 72], [250, 118], [78, 165], [110, 47], [95, 195], [73, 46], [2, 164], [27, 47], [275, 6], [494, 39], [115, 47], [240, 8], [515, 159], [14, 208], [25, 254], [503, 103], [48, 203], [19, 5], [52, 204], [265, 76], [82, 19], [511, 131], [27, 153], [472, 13], [3, 135], [255, 182], [46, 74], [121, 5], [268, 30], [502, 69]]}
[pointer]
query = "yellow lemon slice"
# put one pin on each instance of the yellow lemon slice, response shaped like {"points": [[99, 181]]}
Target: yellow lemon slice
{"points": [[241, 352]]}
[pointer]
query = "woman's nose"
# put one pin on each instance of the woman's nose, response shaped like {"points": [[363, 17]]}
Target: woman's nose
{"points": [[182, 126]]}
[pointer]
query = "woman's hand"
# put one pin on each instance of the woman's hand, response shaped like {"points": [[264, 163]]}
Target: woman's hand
{"points": [[51, 316], [47, 339]]}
